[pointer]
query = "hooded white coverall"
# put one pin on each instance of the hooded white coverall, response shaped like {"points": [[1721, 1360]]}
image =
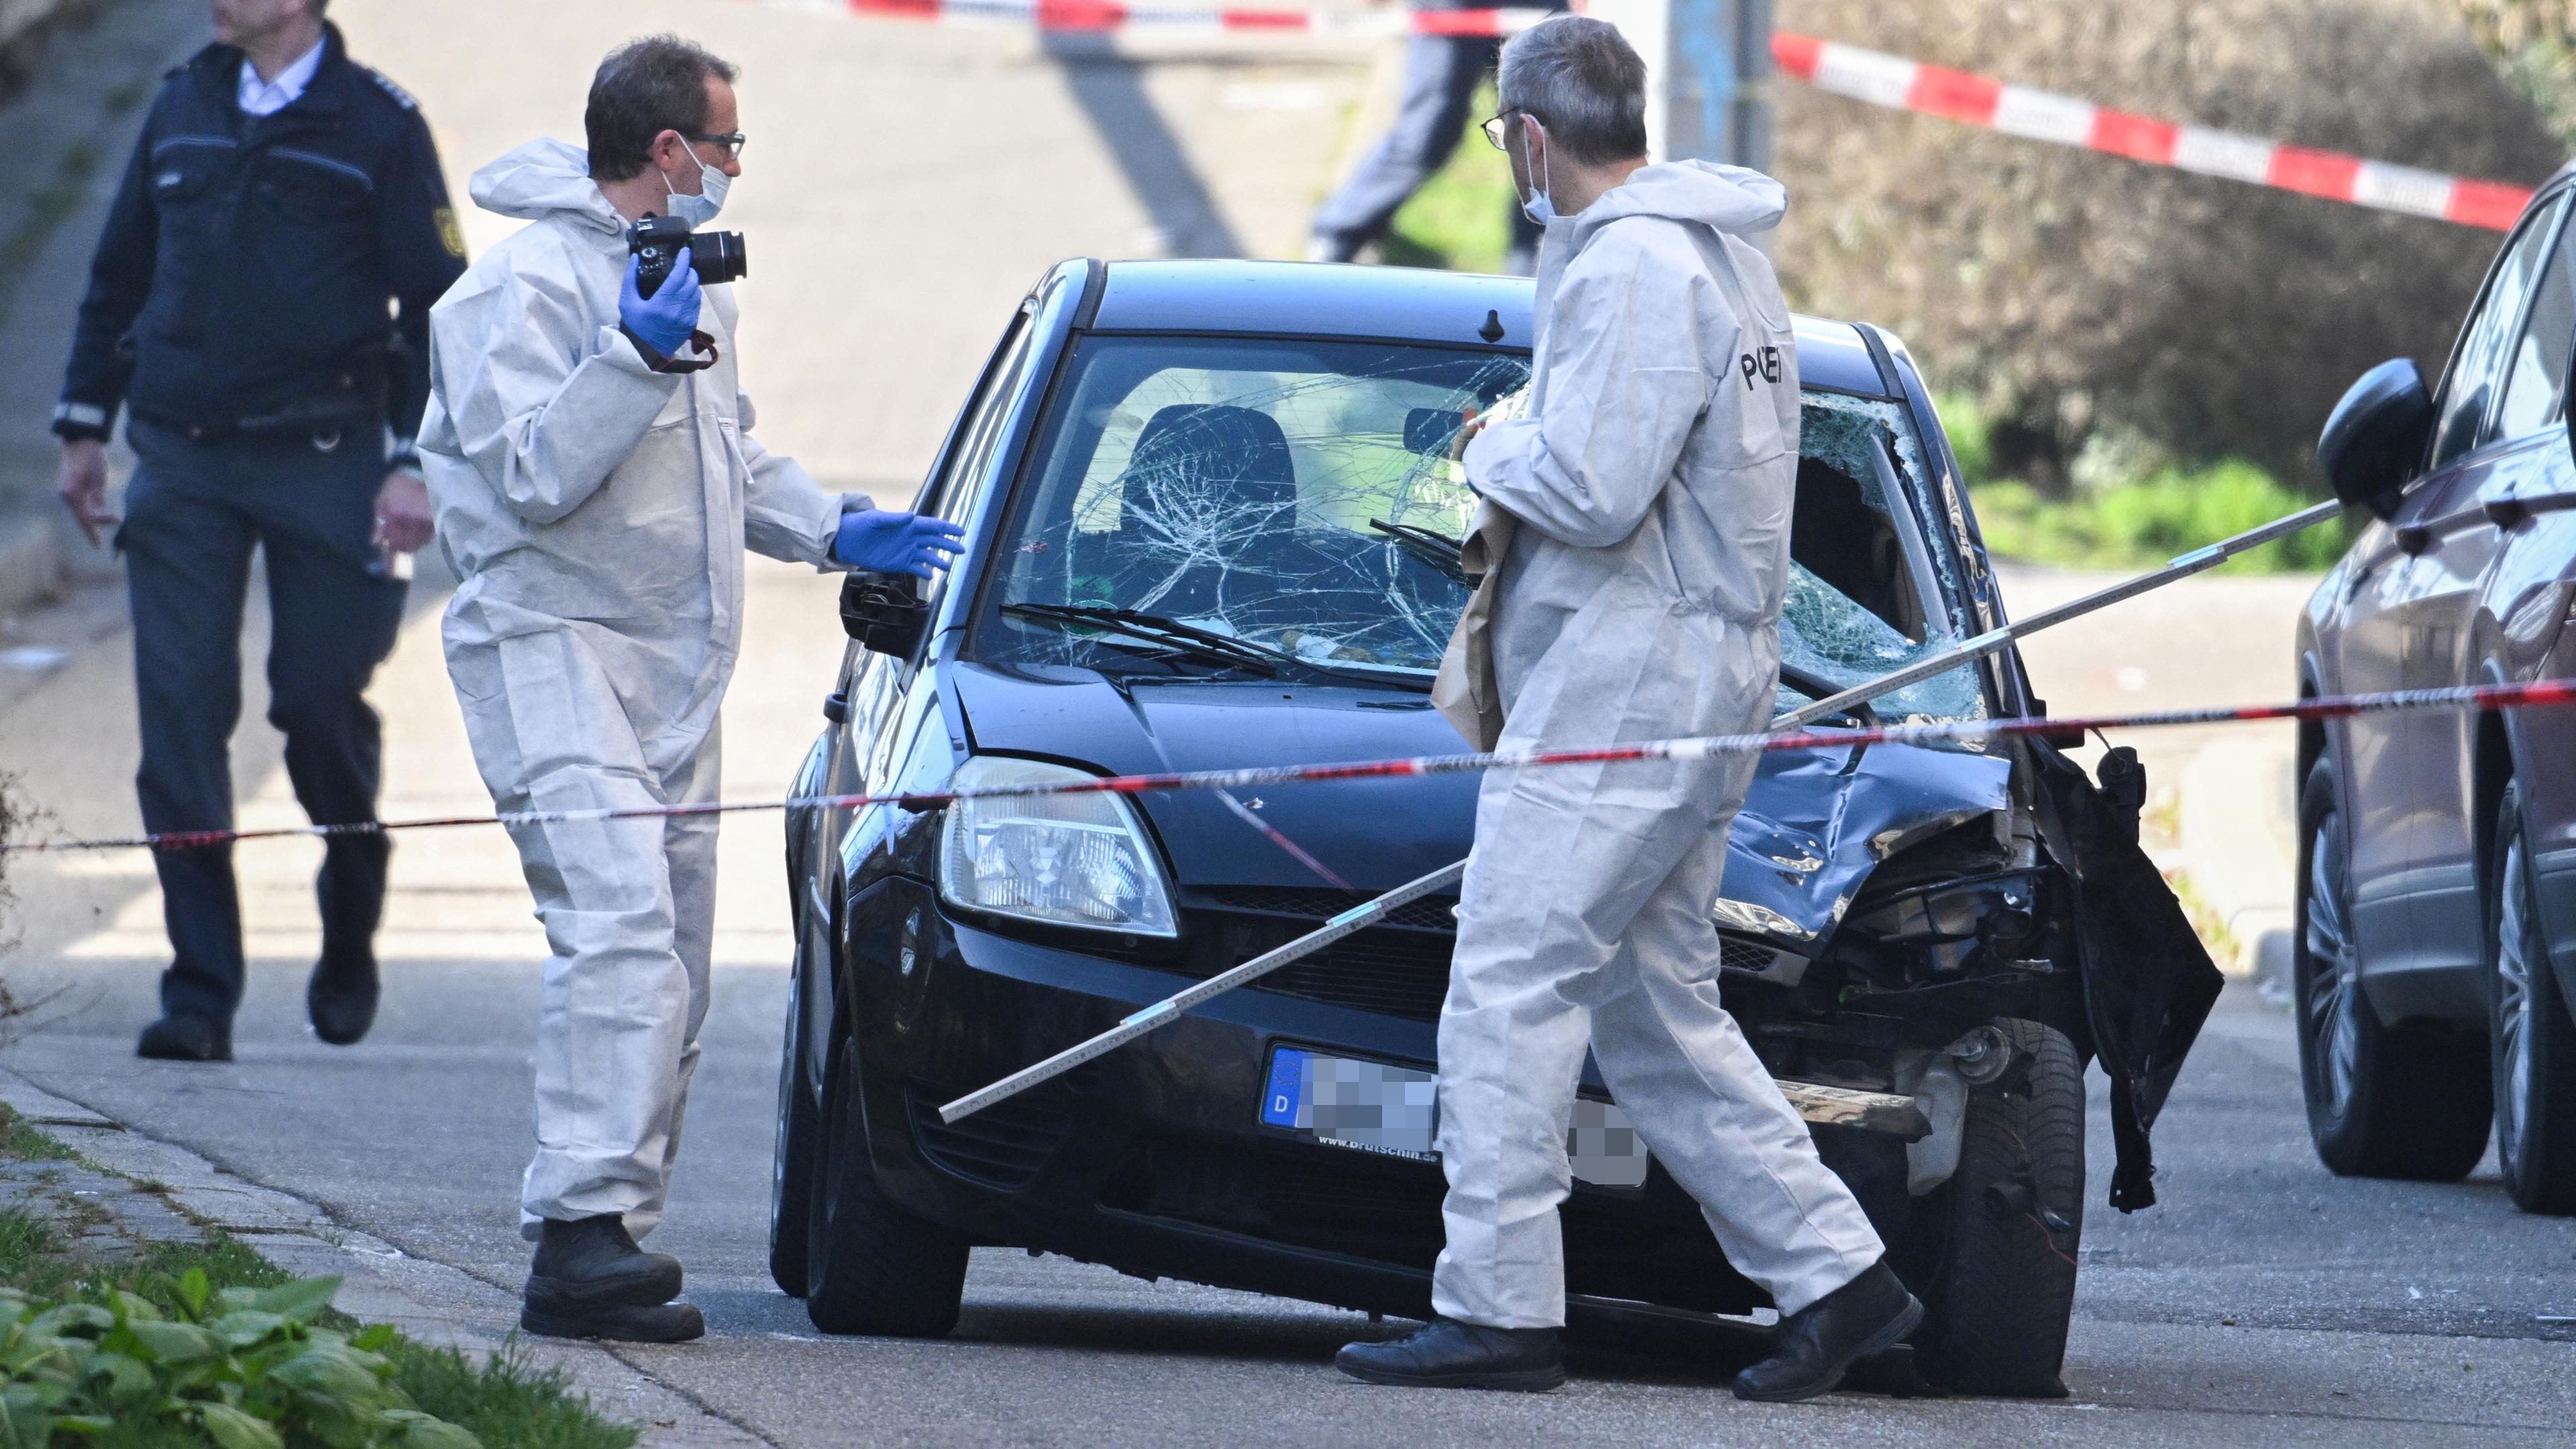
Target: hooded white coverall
{"points": [[1639, 599], [595, 512]]}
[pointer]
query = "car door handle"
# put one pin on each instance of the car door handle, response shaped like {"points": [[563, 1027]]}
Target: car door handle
{"points": [[836, 706]]}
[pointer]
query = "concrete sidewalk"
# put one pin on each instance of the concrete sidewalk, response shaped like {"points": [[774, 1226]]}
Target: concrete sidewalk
{"points": [[430, 1302]]}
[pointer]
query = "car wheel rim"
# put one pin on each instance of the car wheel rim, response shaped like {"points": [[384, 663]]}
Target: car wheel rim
{"points": [[2333, 1034], [2514, 1002]]}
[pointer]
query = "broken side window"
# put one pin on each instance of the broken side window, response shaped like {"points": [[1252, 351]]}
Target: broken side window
{"points": [[1865, 596]]}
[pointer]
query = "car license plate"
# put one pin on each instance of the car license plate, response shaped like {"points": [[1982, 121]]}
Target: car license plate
{"points": [[1395, 1112]]}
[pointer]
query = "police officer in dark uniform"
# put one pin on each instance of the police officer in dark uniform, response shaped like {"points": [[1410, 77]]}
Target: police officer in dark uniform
{"points": [[260, 306]]}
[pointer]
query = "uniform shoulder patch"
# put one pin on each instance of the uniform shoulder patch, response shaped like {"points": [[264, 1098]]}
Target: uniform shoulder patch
{"points": [[402, 98]]}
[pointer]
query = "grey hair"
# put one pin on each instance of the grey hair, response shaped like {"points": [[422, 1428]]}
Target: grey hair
{"points": [[1584, 82]]}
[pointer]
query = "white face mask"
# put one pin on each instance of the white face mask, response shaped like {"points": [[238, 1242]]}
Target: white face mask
{"points": [[1537, 205], [700, 209]]}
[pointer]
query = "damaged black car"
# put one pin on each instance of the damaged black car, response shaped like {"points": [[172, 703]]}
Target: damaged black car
{"points": [[1212, 522]]}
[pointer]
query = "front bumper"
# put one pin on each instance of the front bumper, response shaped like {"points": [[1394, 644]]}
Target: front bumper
{"points": [[1153, 1159]]}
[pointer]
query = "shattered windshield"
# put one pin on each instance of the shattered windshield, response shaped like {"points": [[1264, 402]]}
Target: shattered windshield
{"points": [[1295, 496], [1244, 507]]}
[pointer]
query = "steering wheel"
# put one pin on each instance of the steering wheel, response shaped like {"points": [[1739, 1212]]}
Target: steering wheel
{"points": [[1816, 686]]}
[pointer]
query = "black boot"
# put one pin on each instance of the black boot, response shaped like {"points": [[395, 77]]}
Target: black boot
{"points": [[341, 997], [1448, 1354], [589, 1280], [177, 1038], [1820, 1342]]}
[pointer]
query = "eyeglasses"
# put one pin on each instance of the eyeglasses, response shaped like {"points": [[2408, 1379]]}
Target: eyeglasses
{"points": [[731, 141], [1500, 126]]}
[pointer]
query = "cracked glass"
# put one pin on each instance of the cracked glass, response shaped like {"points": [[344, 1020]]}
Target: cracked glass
{"points": [[1242, 507], [1863, 597]]}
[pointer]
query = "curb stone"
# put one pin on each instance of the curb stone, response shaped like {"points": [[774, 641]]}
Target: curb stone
{"points": [[430, 1302]]}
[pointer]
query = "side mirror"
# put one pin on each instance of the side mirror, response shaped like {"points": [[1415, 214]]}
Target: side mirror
{"points": [[1428, 430], [885, 613], [2376, 436]]}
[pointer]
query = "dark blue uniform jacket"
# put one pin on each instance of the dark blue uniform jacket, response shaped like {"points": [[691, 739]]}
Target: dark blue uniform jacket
{"points": [[244, 280]]}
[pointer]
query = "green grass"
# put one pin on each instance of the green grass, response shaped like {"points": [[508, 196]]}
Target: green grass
{"points": [[503, 1399], [2137, 522], [25, 1143], [1461, 218]]}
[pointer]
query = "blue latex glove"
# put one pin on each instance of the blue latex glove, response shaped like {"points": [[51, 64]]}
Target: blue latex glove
{"points": [[664, 320], [895, 543]]}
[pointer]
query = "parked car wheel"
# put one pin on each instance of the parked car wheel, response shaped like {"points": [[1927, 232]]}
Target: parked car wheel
{"points": [[791, 1168], [1997, 1306], [2381, 1102], [2533, 1041], [871, 1267]]}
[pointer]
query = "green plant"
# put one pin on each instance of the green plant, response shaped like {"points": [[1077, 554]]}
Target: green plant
{"points": [[237, 1368]]}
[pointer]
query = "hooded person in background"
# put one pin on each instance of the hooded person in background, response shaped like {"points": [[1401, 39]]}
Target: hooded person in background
{"points": [[590, 455], [1637, 520]]}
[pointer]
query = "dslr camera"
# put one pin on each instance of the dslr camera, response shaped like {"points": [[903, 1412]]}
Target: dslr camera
{"points": [[716, 256]]}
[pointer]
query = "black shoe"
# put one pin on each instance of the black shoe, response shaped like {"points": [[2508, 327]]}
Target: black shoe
{"points": [[1448, 1354], [1819, 1343], [177, 1038], [588, 1271], [659, 1323], [341, 997]]}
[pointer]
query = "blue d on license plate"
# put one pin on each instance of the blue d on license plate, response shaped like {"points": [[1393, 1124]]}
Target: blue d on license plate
{"points": [[1370, 1106], [1395, 1111]]}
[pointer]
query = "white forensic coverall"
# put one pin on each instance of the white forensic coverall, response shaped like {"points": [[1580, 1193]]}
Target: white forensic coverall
{"points": [[1639, 599], [595, 513]]}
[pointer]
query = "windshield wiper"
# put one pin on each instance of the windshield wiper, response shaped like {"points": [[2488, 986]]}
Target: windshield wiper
{"points": [[1426, 546], [1171, 634], [1192, 640]]}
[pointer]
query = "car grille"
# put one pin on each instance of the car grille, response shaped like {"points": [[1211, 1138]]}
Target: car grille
{"points": [[1393, 972], [1004, 1146], [1735, 955], [1430, 913], [1400, 973]]}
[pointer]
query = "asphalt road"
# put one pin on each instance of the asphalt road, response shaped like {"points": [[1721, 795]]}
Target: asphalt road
{"points": [[905, 185]]}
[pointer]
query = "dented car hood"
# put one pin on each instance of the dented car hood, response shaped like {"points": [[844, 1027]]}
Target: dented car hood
{"points": [[1814, 825], [1816, 822]]}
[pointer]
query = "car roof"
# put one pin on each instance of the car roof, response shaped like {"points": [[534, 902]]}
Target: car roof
{"points": [[1302, 299]]}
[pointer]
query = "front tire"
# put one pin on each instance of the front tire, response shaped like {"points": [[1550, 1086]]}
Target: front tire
{"points": [[871, 1266], [2533, 1040], [1997, 1304], [791, 1167], [2382, 1102]]}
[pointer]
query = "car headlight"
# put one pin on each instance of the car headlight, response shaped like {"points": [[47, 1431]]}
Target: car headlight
{"points": [[1067, 860]]}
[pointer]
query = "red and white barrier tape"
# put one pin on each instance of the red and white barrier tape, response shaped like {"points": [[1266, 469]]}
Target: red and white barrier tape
{"points": [[2482, 696], [1843, 70], [1888, 80], [1100, 15]]}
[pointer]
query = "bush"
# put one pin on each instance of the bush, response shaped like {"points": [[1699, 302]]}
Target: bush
{"points": [[2072, 293], [237, 1368], [2140, 523]]}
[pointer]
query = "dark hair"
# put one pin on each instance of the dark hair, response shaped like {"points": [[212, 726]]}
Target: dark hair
{"points": [[1584, 82], [644, 88]]}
